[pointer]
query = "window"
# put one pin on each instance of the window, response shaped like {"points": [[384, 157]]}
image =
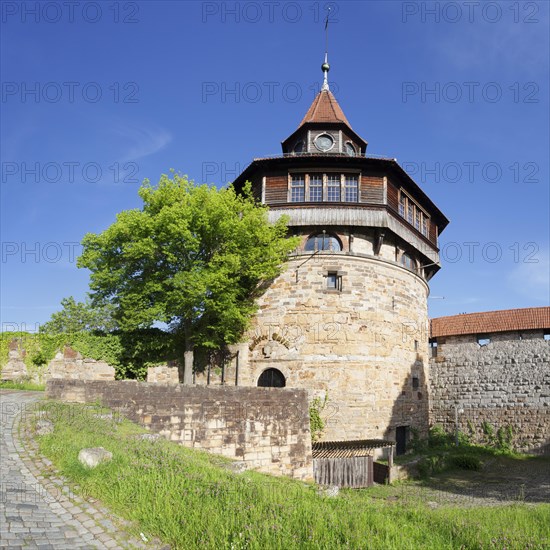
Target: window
{"points": [[324, 142], [319, 187], [334, 281], [299, 147], [333, 187], [323, 241], [351, 185], [409, 210], [415, 382], [272, 378], [402, 205], [297, 188], [483, 340], [425, 227], [433, 347], [316, 188], [407, 261], [546, 336], [350, 149]]}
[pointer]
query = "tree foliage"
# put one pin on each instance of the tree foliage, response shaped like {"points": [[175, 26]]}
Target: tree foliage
{"points": [[80, 316], [193, 256]]}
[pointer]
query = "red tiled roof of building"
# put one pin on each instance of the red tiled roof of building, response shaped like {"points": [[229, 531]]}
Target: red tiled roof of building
{"points": [[531, 318], [325, 108]]}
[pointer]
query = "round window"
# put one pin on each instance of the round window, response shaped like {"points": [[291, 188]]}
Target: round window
{"points": [[324, 142]]}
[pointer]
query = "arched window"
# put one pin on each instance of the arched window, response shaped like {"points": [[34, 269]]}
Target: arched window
{"points": [[272, 378], [350, 149], [323, 241], [299, 147]]}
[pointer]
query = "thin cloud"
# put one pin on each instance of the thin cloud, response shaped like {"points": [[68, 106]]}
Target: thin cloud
{"points": [[141, 141]]}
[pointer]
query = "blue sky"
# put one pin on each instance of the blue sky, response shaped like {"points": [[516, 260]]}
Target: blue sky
{"points": [[98, 96]]}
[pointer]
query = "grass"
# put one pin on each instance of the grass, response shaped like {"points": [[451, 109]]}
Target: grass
{"points": [[188, 500], [23, 386]]}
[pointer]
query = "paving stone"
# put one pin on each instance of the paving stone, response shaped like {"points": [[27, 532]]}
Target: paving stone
{"points": [[31, 516]]}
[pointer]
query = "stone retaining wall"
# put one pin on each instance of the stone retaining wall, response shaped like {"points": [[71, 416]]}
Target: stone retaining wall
{"points": [[268, 428], [505, 383]]}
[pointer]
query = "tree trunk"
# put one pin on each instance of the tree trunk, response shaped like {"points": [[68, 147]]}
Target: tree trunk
{"points": [[188, 368], [188, 358]]}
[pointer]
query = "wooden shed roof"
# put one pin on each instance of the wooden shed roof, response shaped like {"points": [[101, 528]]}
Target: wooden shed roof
{"points": [[348, 449]]}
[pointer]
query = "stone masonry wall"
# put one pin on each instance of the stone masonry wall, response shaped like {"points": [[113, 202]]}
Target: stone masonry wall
{"points": [[504, 383], [15, 368], [362, 345], [266, 428], [163, 374], [70, 365]]}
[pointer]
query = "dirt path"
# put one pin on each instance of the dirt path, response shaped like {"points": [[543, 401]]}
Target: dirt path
{"points": [[502, 481]]}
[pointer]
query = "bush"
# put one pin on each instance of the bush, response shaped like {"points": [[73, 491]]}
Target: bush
{"points": [[464, 462], [430, 465], [438, 437]]}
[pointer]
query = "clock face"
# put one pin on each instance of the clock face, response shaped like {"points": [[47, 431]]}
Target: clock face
{"points": [[324, 142], [350, 149]]}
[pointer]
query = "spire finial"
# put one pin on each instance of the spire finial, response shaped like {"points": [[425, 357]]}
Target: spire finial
{"points": [[325, 66]]}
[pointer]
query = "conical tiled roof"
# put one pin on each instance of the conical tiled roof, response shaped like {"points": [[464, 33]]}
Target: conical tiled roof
{"points": [[325, 108]]}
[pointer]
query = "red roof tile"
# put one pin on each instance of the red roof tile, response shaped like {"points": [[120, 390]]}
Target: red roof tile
{"points": [[531, 318], [325, 108]]}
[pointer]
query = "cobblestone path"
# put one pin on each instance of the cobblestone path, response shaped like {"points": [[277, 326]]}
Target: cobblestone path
{"points": [[40, 512]]}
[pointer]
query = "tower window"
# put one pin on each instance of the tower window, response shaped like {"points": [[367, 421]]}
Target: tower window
{"points": [[323, 241], [297, 188], [324, 142], [272, 378], [402, 205], [352, 188], [316, 188], [334, 281], [299, 147], [409, 210], [333, 187], [407, 261], [350, 149], [415, 382]]}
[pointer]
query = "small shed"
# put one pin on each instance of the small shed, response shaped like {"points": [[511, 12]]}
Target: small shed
{"points": [[350, 463]]}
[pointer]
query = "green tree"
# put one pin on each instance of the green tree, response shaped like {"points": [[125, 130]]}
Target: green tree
{"points": [[80, 316], [193, 256]]}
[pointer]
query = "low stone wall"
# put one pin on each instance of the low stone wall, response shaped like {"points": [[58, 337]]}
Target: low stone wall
{"points": [[504, 383], [268, 428], [70, 365]]}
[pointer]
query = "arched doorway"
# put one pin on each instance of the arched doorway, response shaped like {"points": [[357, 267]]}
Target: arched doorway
{"points": [[272, 378]]}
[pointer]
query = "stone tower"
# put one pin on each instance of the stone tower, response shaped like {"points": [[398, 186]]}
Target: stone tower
{"points": [[348, 318]]}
